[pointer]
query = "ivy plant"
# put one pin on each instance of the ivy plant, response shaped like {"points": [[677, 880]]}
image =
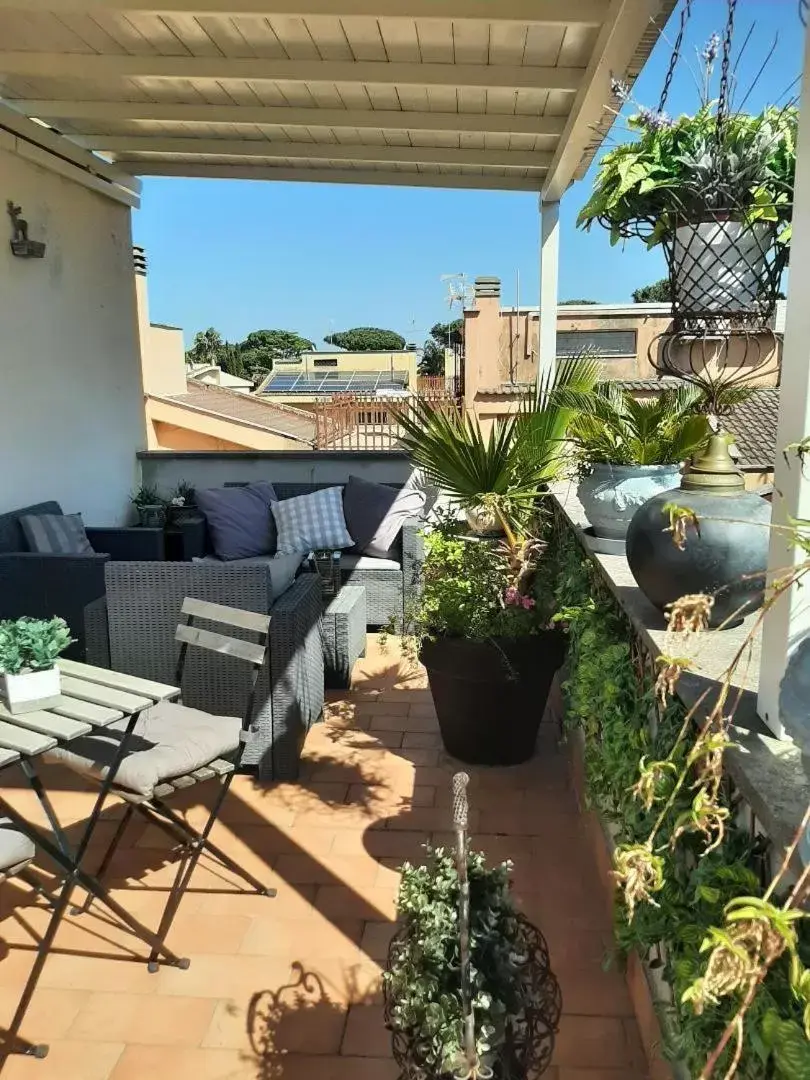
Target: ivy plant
{"points": [[610, 702], [422, 983]]}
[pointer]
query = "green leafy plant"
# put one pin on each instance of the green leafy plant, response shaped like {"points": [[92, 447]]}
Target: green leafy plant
{"points": [[32, 644], [682, 169], [147, 495], [610, 426], [423, 981], [472, 590], [506, 469], [696, 889]]}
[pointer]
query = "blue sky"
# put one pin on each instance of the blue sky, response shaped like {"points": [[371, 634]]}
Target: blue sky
{"points": [[244, 255]]}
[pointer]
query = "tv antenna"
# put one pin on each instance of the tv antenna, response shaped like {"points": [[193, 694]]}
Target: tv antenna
{"points": [[459, 290]]}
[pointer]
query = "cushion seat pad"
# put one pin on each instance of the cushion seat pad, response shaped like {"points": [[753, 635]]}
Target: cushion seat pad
{"points": [[15, 847], [169, 740]]}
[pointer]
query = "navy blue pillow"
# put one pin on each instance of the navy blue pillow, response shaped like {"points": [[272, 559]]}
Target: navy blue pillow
{"points": [[240, 520]]}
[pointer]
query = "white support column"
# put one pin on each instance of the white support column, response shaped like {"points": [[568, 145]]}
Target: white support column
{"points": [[789, 618], [549, 273]]}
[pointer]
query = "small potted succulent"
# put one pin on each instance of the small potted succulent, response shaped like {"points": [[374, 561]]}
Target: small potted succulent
{"points": [[509, 1031], [182, 505], [626, 451], [150, 507], [29, 677]]}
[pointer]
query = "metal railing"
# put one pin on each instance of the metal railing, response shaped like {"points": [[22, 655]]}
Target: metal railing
{"points": [[371, 422]]}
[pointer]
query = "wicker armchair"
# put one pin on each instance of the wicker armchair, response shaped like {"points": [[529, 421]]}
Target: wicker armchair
{"points": [[142, 608], [65, 585]]}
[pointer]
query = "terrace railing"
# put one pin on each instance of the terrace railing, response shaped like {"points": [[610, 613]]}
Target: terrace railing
{"points": [[370, 422]]}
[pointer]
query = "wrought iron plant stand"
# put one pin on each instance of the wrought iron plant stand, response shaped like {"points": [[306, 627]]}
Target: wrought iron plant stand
{"points": [[527, 1050]]}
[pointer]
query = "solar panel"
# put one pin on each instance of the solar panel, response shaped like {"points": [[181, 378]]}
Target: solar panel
{"points": [[336, 382]]}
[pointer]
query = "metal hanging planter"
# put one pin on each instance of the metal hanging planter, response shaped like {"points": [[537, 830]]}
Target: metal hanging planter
{"points": [[725, 269], [528, 1044]]}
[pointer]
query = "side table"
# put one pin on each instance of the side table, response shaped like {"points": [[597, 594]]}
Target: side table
{"points": [[343, 632]]}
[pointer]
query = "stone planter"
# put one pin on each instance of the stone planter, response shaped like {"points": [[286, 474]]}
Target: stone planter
{"points": [[30, 691], [611, 494]]}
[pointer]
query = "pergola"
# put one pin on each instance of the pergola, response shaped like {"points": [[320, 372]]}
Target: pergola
{"points": [[483, 94]]}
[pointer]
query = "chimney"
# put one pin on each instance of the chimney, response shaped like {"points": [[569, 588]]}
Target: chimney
{"points": [[487, 287]]}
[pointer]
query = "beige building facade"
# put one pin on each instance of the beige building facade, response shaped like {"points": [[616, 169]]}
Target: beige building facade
{"points": [[501, 348]]}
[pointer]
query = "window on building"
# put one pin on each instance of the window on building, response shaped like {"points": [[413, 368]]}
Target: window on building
{"points": [[606, 342], [325, 361]]}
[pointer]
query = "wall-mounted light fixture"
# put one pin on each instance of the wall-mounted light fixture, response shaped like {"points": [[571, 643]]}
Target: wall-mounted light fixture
{"points": [[21, 246]]}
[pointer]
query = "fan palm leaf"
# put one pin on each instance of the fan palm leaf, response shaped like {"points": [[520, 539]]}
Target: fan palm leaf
{"points": [[507, 467], [611, 426]]}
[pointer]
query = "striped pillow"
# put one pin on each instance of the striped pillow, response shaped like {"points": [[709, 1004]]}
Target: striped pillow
{"points": [[55, 534]]}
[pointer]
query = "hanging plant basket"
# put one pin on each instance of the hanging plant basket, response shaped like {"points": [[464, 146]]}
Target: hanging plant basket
{"points": [[468, 989], [724, 271]]}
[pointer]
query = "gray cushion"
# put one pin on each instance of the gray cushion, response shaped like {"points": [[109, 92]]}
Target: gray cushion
{"points": [[350, 560], [283, 569], [55, 534], [376, 513], [15, 847], [169, 740], [308, 522], [239, 519]]}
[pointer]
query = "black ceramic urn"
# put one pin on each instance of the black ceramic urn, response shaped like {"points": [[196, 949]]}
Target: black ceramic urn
{"points": [[725, 554]]}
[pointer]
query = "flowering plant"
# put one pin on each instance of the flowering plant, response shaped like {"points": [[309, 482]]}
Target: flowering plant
{"points": [[713, 164], [480, 590]]}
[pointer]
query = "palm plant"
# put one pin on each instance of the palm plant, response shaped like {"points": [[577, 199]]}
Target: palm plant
{"points": [[610, 426], [504, 470]]}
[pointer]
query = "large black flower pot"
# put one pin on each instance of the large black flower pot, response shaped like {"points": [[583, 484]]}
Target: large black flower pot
{"points": [[490, 696]]}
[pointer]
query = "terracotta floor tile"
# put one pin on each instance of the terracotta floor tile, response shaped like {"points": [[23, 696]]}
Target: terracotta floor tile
{"points": [[376, 939], [375, 786], [401, 721], [428, 740], [140, 1062], [302, 938], [51, 1014], [68, 1059], [593, 1042], [366, 1034], [140, 1018], [291, 1021]]}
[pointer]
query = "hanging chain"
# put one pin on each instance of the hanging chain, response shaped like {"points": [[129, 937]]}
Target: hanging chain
{"points": [[723, 99], [686, 11]]}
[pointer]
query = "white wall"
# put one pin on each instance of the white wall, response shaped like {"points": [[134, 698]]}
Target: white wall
{"points": [[71, 399]]}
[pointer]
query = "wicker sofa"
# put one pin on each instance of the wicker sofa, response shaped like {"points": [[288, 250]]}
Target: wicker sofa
{"points": [[389, 583], [141, 611], [66, 585]]}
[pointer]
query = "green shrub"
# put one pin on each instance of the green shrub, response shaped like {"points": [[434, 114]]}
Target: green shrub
{"points": [[32, 644]]}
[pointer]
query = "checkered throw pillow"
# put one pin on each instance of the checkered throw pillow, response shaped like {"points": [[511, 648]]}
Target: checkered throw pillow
{"points": [[308, 522]]}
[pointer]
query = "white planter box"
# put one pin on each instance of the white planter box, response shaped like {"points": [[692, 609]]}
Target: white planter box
{"points": [[31, 690]]}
